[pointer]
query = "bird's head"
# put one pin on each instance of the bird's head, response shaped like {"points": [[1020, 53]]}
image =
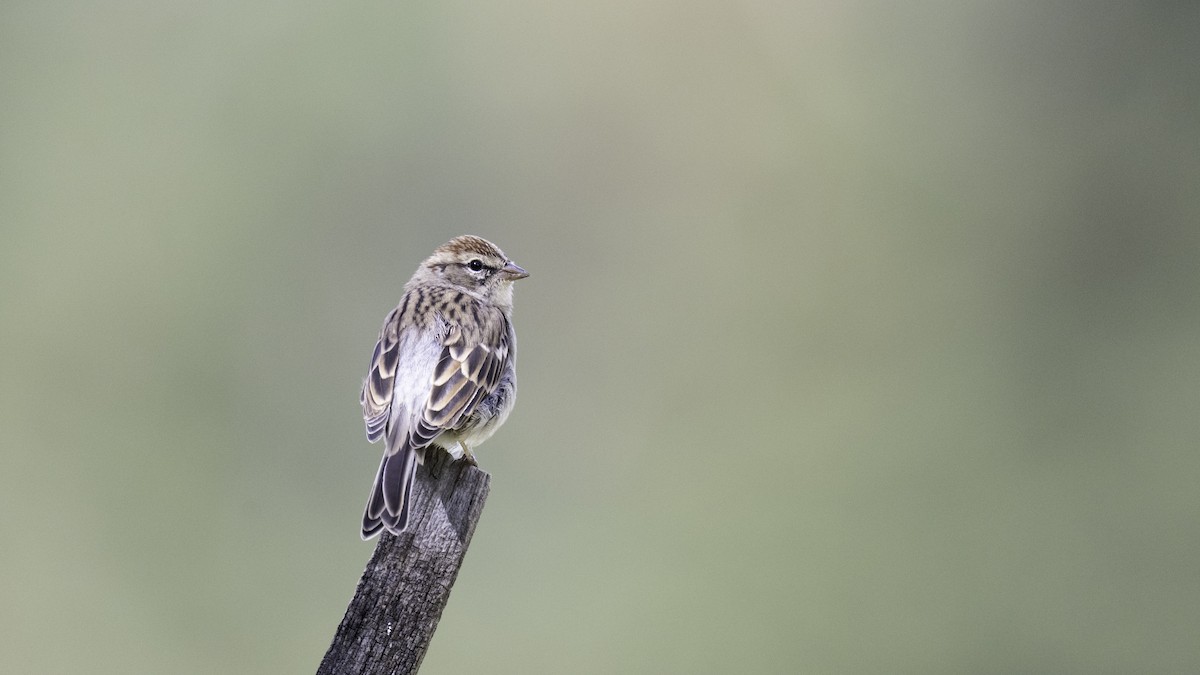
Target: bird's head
{"points": [[477, 266]]}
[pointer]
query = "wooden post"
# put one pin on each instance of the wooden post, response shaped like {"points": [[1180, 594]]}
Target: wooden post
{"points": [[406, 585]]}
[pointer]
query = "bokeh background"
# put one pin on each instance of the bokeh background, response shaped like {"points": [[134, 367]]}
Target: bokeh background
{"points": [[861, 338]]}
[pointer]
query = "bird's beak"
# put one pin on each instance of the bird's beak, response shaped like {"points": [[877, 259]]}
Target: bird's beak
{"points": [[513, 271]]}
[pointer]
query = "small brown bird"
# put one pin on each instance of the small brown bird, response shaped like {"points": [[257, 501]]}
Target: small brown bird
{"points": [[444, 369]]}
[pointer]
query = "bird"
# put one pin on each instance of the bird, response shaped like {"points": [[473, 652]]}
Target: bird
{"points": [[443, 372]]}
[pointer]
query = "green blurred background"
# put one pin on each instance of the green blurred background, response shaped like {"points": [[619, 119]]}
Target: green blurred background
{"points": [[860, 338]]}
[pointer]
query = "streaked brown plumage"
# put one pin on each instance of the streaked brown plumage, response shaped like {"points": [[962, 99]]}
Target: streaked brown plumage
{"points": [[444, 369]]}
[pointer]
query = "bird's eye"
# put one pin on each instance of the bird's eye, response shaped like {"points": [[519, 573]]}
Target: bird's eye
{"points": [[475, 265]]}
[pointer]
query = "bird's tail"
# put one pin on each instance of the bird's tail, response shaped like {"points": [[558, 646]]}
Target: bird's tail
{"points": [[388, 507]]}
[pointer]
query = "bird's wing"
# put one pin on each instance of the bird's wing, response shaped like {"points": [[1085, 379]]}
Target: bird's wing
{"points": [[378, 388], [468, 370]]}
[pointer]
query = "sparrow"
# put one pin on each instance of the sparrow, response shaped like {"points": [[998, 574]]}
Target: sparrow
{"points": [[443, 373]]}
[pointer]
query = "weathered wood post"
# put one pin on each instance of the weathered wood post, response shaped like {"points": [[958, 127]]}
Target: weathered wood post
{"points": [[405, 587]]}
